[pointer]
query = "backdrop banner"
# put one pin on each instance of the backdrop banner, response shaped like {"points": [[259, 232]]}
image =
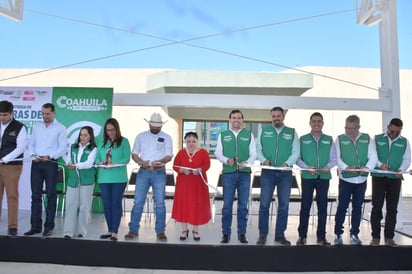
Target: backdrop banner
{"points": [[79, 107], [75, 108]]}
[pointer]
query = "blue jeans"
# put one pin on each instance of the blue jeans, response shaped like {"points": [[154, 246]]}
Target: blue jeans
{"points": [[231, 182], [157, 180], [346, 191], [112, 196], [269, 180], [47, 172], [308, 186]]}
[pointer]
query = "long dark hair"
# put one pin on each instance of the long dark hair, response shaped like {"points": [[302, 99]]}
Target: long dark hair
{"points": [[91, 133], [119, 138]]}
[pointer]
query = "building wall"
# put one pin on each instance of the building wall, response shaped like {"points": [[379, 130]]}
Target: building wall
{"points": [[134, 80]]}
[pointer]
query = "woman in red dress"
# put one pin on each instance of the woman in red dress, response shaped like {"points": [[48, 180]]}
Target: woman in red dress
{"points": [[191, 203]]}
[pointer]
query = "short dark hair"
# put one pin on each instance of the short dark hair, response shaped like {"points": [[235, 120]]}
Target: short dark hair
{"points": [[235, 111], [6, 106], [396, 122], [49, 105], [278, 109], [316, 114], [191, 133]]}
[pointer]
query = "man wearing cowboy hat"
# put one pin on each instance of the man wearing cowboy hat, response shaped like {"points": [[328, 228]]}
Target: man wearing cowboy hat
{"points": [[152, 150]]}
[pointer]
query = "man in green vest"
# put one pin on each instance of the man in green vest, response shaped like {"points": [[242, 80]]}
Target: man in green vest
{"points": [[278, 150], [394, 155], [356, 154], [235, 148], [317, 157]]}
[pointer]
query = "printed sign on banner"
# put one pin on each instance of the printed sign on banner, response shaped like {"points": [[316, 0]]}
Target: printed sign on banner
{"points": [[27, 103]]}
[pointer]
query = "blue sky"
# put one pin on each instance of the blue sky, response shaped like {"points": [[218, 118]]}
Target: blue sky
{"points": [[260, 35]]}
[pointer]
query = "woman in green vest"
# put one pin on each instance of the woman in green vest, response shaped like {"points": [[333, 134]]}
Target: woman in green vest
{"points": [[80, 184]]}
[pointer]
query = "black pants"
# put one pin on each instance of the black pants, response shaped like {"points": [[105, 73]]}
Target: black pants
{"points": [[43, 172], [384, 189]]}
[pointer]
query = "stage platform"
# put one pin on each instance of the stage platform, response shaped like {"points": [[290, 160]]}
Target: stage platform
{"points": [[208, 254]]}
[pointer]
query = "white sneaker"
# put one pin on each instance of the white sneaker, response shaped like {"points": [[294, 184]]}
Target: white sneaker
{"points": [[354, 240], [338, 240]]}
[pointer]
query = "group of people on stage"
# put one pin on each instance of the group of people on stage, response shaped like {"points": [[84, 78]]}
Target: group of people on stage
{"points": [[278, 148]]}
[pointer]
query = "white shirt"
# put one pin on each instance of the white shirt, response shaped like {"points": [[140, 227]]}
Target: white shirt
{"points": [[152, 147], [51, 140]]}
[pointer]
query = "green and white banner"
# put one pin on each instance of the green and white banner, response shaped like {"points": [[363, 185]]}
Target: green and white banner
{"points": [[79, 107], [75, 107]]}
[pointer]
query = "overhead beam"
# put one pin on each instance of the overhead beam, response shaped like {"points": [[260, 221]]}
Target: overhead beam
{"points": [[250, 101]]}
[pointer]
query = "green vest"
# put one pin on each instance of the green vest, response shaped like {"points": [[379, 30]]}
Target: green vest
{"points": [[315, 154], [87, 176], [277, 147], [236, 148], [392, 156], [354, 154]]}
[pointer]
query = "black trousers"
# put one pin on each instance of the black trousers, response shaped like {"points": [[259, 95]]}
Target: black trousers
{"points": [[387, 190], [43, 172]]}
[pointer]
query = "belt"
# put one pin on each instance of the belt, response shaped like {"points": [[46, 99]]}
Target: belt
{"points": [[150, 169]]}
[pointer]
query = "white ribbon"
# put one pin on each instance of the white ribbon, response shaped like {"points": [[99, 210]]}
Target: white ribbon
{"points": [[311, 169], [14, 160], [201, 176], [110, 165]]}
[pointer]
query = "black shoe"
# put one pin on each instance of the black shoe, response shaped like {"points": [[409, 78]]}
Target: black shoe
{"points": [[225, 238], [322, 242], [184, 235], [32, 232], [261, 240], [282, 240], [47, 232], [67, 237], [196, 236], [242, 238], [113, 238], [80, 236], [12, 232], [106, 236], [301, 241]]}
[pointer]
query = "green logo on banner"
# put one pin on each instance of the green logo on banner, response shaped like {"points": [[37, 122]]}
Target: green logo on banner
{"points": [[79, 107]]}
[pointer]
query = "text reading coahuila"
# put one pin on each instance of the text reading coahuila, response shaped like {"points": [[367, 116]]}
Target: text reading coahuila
{"points": [[63, 102]]}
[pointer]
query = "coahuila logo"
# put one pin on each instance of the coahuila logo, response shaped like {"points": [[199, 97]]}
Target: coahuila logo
{"points": [[85, 104], [74, 129]]}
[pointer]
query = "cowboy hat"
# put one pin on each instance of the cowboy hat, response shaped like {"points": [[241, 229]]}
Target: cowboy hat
{"points": [[155, 120]]}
